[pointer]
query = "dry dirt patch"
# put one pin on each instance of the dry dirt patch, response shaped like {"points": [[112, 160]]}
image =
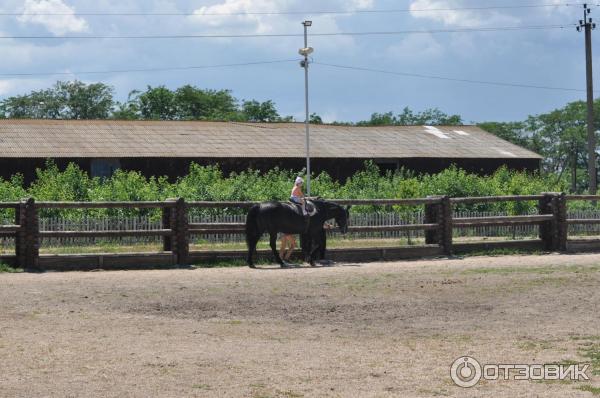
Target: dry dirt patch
{"points": [[374, 330]]}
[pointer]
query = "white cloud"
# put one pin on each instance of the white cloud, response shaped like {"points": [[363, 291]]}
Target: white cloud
{"points": [[5, 86], [425, 45], [251, 17], [57, 24], [457, 17], [12, 87], [250, 20]]}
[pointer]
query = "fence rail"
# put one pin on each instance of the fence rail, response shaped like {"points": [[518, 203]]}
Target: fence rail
{"points": [[437, 223]]}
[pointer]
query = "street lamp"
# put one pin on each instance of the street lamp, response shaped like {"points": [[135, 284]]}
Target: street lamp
{"points": [[305, 52]]}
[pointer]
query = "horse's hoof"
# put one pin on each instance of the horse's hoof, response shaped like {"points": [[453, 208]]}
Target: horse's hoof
{"points": [[285, 265], [252, 266]]}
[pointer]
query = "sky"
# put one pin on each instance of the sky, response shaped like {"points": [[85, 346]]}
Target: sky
{"points": [[548, 57]]}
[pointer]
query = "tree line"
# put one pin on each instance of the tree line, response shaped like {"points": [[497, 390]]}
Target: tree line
{"points": [[559, 136], [78, 100]]}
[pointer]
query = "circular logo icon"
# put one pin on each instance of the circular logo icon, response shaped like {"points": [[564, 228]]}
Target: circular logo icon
{"points": [[465, 372]]}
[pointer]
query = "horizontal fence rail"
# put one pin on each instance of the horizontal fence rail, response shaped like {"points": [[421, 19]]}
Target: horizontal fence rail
{"points": [[510, 220], [496, 199], [436, 223], [104, 205]]}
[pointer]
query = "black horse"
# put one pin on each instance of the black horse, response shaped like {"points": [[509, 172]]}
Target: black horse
{"points": [[274, 217]]}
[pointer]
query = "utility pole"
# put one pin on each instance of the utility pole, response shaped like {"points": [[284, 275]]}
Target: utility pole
{"points": [[587, 26], [305, 52]]}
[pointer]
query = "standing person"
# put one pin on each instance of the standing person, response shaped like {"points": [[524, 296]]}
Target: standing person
{"points": [[288, 244], [297, 196]]}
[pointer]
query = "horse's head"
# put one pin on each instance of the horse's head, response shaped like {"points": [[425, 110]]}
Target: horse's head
{"points": [[342, 215]]}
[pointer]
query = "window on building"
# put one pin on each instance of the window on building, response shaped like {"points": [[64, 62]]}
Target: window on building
{"points": [[104, 167]]}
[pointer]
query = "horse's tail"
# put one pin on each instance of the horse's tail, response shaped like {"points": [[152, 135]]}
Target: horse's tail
{"points": [[252, 232], [252, 227]]}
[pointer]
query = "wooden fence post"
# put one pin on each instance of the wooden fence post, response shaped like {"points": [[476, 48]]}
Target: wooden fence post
{"points": [[20, 236], [561, 217], [168, 222], [182, 232], [445, 228], [28, 239], [431, 216], [549, 230]]}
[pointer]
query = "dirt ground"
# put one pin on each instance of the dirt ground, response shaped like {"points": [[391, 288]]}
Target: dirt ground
{"points": [[368, 330]]}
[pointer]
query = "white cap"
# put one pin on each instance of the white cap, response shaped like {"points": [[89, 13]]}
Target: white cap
{"points": [[299, 180]]}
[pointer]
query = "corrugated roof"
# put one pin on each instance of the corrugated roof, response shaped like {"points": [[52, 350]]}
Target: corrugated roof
{"points": [[122, 139]]}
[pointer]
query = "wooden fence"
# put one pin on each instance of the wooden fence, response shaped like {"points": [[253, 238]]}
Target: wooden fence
{"points": [[438, 225]]}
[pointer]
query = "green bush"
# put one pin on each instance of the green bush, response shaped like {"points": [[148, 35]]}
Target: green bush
{"points": [[208, 183]]}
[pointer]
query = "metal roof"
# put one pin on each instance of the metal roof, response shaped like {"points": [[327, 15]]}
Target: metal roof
{"points": [[25, 138]]}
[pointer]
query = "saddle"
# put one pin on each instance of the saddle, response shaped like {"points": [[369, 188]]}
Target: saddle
{"points": [[311, 209]]}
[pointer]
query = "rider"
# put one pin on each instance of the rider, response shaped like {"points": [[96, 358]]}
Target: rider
{"points": [[297, 195]]}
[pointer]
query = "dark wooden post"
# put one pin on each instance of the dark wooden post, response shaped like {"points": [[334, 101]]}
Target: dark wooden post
{"points": [[431, 216], [563, 227], [20, 240], [549, 230], [445, 228], [29, 256], [181, 242], [168, 222]]}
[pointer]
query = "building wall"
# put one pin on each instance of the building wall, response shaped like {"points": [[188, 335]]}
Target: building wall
{"points": [[339, 169]]}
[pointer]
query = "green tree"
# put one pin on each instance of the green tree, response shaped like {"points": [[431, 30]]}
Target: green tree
{"points": [[192, 103], [515, 132], [65, 100], [560, 137], [156, 103], [315, 119], [128, 110], [432, 117], [85, 101], [255, 111]]}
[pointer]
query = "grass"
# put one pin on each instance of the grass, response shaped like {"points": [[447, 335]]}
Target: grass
{"points": [[104, 247], [588, 388], [4, 268], [202, 387], [111, 247], [502, 252], [531, 345], [230, 263], [591, 352]]}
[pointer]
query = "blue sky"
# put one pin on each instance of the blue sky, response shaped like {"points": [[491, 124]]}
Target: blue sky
{"points": [[548, 57]]}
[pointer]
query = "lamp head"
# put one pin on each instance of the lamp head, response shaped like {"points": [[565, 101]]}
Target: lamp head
{"points": [[307, 23], [306, 51]]}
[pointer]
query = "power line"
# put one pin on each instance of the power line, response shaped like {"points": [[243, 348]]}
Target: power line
{"points": [[269, 35], [347, 67], [379, 11], [423, 76], [165, 69]]}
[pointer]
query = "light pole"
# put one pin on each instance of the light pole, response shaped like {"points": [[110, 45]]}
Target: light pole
{"points": [[305, 52]]}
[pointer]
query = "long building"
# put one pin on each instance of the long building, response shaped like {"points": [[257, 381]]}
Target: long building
{"points": [[167, 148]]}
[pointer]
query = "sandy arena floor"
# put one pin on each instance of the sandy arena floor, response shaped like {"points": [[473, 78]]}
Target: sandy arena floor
{"points": [[369, 330]]}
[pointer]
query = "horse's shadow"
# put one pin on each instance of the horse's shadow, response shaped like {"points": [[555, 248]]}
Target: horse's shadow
{"points": [[277, 267]]}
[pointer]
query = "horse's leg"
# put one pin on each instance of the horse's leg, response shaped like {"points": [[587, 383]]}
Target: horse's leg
{"points": [[252, 241], [304, 246], [273, 242], [323, 243], [314, 249]]}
